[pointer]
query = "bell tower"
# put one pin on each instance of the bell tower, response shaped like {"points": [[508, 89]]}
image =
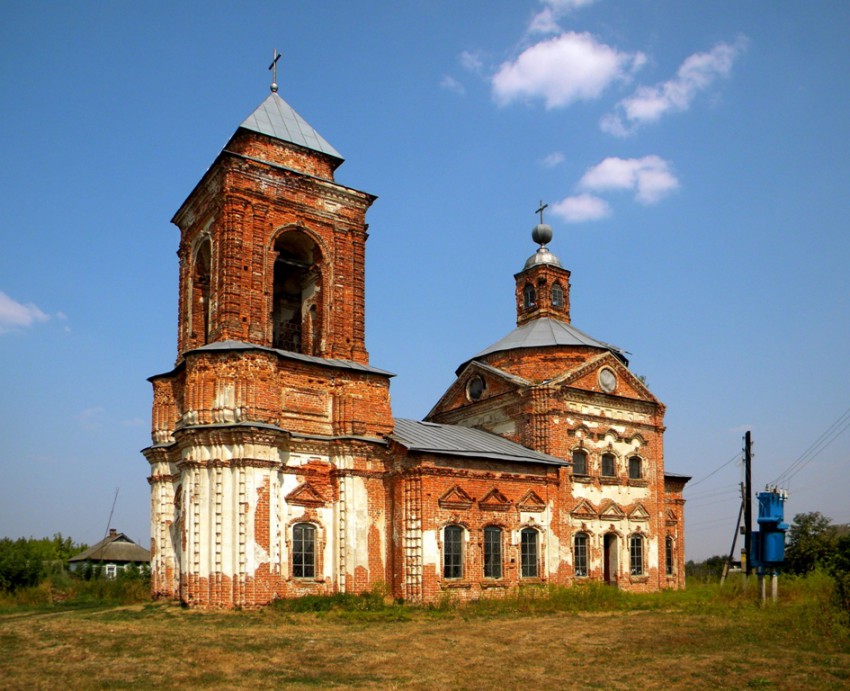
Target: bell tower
{"points": [[272, 402], [543, 285]]}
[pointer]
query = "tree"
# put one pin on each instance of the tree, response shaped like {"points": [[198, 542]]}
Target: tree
{"points": [[20, 564], [811, 542]]}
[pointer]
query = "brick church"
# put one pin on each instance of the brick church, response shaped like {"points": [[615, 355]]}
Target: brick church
{"points": [[277, 468]]}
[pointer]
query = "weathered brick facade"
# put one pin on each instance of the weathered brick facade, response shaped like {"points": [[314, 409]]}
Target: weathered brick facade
{"points": [[277, 469]]}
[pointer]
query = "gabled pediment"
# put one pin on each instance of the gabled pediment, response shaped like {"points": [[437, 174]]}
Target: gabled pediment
{"points": [[670, 517], [494, 500], [305, 495], [589, 377], [639, 513], [475, 383], [612, 512], [584, 509], [455, 498], [531, 501]]}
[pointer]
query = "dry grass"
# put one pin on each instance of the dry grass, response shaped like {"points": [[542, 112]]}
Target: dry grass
{"points": [[671, 645]]}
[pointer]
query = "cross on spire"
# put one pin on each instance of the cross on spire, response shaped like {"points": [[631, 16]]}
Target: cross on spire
{"points": [[273, 68], [540, 210]]}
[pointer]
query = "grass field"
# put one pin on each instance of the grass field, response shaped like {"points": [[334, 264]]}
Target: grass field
{"points": [[578, 638]]}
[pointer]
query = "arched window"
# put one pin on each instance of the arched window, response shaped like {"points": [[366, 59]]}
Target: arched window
{"points": [[580, 555], [200, 318], [492, 552], [579, 462], [453, 551], [636, 555], [303, 550], [668, 556], [296, 303], [635, 470], [557, 295], [529, 297], [528, 553], [609, 465]]}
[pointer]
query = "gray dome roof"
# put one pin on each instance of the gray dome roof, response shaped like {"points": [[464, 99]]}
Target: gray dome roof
{"points": [[544, 332], [542, 256]]}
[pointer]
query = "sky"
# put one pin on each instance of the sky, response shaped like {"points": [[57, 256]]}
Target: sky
{"points": [[694, 157]]}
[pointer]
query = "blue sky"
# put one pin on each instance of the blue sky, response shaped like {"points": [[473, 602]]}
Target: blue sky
{"points": [[694, 156]]}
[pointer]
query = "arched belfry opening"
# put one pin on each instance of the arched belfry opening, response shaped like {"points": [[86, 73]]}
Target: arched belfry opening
{"points": [[297, 312], [201, 307]]}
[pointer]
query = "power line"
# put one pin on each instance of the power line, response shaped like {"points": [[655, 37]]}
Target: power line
{"points": [[716, 470], [817, 447]]}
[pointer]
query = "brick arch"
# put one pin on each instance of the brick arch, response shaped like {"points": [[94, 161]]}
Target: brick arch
{"points": [[301, 268]]}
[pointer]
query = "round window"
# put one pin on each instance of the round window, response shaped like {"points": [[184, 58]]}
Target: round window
{"points": [[475, 388]]}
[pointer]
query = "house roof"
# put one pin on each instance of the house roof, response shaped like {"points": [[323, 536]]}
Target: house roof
{"points": [[456, 440], [274, 117], [116, 547], [543, 332]]}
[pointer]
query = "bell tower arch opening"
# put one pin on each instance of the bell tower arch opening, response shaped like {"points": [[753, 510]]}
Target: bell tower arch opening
{"points": [[201, 307], [297, 300]]}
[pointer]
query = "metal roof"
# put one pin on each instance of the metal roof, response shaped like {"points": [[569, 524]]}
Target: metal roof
{"points": [[455, 440], [543, 332], [276, 118], [312, 359]]}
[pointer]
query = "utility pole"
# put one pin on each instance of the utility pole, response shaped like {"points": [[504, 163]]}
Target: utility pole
{"points": [[748, 498]]}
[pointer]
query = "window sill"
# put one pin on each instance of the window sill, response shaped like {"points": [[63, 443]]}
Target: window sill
{"points": [[462, 585], [639, 579], [638, 483], [582, 478], [493, 584], [608, 480]]}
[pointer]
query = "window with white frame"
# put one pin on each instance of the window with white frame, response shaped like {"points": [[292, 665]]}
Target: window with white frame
{"points": [[492, 552], [453, 551], [580, 555], [528, 553], [304, 550], [636, 555]]}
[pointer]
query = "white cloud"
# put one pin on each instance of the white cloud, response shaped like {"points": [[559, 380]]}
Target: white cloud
{"points": [[553, 159], [90, 418], [546, 20], [582, 207], [471, 61], [650, 177], [650, 103], [15, 315], [451, 84], [563, 69]]}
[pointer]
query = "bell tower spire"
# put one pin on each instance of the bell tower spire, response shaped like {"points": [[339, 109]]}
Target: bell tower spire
{"points": [[543, 285]]}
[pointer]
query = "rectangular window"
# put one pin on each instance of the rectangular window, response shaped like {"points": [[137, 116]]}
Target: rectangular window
{"points": [[634, 468], [304, 551], [668, 550], [453, 552], [580, 556], [492, 552], [579, 463], [636, 555], [528, 553], [608, 465]]}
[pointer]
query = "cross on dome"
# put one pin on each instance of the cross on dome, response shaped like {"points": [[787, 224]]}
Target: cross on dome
{"points": [[273, 68]]}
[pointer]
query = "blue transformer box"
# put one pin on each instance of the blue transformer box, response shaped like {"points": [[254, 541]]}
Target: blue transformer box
{"points": [[767, 546]]}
